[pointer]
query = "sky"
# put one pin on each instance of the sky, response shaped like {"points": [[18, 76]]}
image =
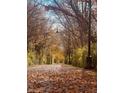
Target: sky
{"points": [[49, 14], [46, 2]]}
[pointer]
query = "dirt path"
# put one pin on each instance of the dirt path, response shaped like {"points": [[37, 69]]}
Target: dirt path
{"points": [[58, 78]]}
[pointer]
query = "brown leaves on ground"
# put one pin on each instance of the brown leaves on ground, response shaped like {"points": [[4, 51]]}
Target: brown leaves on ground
{"points": [[60, 79]]}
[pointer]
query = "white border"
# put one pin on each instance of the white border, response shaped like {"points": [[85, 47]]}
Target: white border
{"points": [[110, 46], [13, 36]]}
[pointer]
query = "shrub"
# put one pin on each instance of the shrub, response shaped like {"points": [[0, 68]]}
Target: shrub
{"points": [[79, 57], [80, 54], [31, 57]]}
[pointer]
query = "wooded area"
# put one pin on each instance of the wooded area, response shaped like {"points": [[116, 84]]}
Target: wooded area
{"points": [[64, 38]]}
